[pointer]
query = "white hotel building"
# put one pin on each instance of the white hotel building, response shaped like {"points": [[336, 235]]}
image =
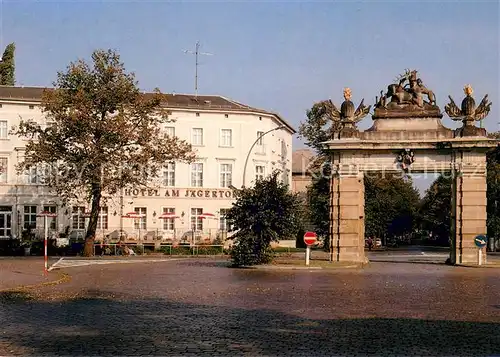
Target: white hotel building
{"points": [[220, 130]]}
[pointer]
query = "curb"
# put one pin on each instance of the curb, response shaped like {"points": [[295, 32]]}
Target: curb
{"points": [[487, 266], [287, 267]]}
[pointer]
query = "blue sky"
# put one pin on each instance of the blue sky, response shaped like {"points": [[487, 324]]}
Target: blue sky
{"points": [[277, 55]]}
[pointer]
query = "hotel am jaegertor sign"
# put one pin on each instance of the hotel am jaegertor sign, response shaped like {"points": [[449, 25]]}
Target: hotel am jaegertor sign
{"points": [[179, 193]]}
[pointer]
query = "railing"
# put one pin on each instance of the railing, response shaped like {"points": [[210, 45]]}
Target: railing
{"points": [[112, 234], [165, 236]]}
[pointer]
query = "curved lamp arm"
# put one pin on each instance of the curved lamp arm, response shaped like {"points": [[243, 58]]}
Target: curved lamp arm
{"points": [[251, 147]]}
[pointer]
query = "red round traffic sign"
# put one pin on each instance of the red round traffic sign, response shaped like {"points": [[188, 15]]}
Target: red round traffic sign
{"points": [[310, 238]]}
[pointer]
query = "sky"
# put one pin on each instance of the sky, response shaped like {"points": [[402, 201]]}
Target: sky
{"points": [[281, 56]]}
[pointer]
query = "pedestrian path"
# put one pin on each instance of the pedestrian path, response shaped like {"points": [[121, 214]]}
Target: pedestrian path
{"points": [[64, 263]]}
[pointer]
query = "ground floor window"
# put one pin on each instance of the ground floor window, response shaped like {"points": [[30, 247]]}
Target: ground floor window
{"points": [[52, 221], [5, 221], [196, 220], [102, 219], [222, 219], [140, 223], [30, 217], [169, 223], [78, 218]]}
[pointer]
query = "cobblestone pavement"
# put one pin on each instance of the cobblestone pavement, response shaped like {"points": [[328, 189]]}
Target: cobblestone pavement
{"points": [[16, 271], [202, 308]]}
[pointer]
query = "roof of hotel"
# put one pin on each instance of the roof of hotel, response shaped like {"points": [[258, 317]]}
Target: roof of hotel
{"points": [[181, 101]]}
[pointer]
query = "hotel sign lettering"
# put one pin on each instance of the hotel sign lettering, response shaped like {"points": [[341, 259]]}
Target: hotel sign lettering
{"points": [[179, 193]]}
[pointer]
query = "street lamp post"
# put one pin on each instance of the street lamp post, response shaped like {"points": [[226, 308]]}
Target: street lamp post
{"points": [[251, 147]]}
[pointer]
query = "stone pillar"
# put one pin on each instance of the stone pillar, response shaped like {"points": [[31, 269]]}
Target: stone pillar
{"points": [[347, 224], [469, 211]]}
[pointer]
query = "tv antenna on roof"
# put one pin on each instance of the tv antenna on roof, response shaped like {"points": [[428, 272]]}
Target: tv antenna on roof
{"points": [[196, 53]]}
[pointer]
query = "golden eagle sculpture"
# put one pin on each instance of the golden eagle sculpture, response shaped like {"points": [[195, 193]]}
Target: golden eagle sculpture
{"points": [[468, 113], [347, 116], [347, 112]]}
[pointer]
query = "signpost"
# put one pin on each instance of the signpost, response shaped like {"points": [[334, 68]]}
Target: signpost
{"points": [[480, 241], [310, 238], [45, 215]]}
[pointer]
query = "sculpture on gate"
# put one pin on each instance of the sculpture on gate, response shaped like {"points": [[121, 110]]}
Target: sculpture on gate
{"points": [[405, 97], [469, 113], [405, 159], [348, 116]]}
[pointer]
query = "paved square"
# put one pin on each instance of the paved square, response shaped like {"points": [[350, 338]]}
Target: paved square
{"points": [[200, 307]]}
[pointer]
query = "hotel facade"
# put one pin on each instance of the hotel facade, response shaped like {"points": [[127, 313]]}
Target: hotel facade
{"points": [[189, 200]]}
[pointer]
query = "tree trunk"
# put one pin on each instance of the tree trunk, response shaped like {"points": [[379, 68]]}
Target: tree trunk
{"points": [[88, 249]]}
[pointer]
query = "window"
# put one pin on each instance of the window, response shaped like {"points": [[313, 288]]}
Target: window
{"points": [[51, 220], [197, 174], [140, 223], [196, 220], [45, 173], [226, 115], [222, 219], [169, 175], [32, 106], [3, 169], [30, 216], [169, 223], [78, 218], [4, 133], [226, 138], [32, 175], [259, 172], [260, 141], [226, 175], [169, 132], [102, 219], [197, 136], [197, 114]]}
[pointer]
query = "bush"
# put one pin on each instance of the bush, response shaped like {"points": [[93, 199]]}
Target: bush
{"points": [[208, 250], [179, 250], [249, 250], [10, 247], [299, 239]]}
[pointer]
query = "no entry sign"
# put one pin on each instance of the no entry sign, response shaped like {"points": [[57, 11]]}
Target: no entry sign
{"points": [[310, 238]]}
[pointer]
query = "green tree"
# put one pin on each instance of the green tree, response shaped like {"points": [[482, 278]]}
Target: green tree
{"points": [[7, 66], [319, 206], [435, 209], [105, 135], [262, 214], [493, 190], [391, 206], [319, 127]]}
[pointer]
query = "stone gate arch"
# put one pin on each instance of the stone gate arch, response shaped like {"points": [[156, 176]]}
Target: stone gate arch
{"points": [[407, 136]]}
